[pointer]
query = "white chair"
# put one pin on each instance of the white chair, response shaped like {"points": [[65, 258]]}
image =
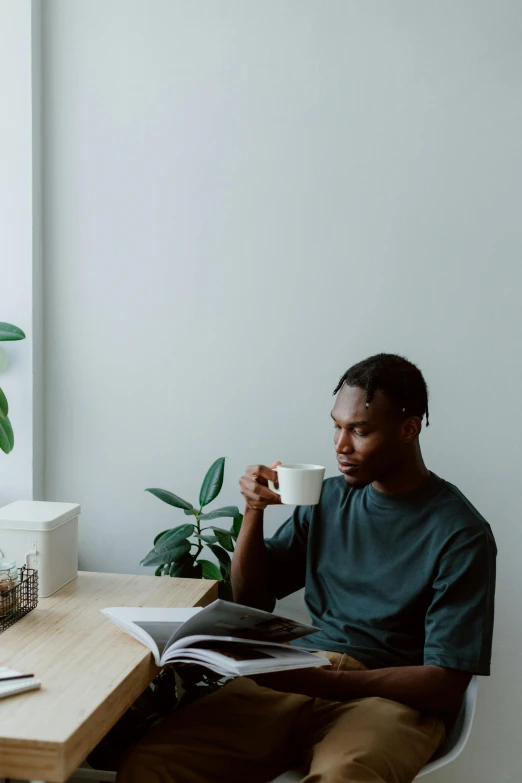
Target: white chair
{"points": [[452, 746], [454, 743]]}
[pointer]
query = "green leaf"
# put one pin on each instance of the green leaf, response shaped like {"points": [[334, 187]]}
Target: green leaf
{"points": [[206, 539], [210, 570], [166, 554], [158, 571], [166, 542], [236, 524], [185, 568], [212, 482], [10, 332], [219, 530], [221, 555], [4, 407], [170, 498], [225, 539], [160, 535], [189, 511], [175, 535], [6, 436], [219, 513]]}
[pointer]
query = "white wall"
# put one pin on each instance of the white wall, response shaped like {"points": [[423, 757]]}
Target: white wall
{"points": [[244, 198], [20, 245]]}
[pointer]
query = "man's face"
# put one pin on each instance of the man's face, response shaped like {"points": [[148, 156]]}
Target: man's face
{"points": [[370, 442]]}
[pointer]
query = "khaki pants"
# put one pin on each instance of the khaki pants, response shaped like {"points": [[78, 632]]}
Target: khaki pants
{"points": [[248, 734]]}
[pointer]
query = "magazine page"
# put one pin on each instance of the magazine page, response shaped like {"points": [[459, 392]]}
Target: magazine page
{"points": [[224, 618], [234, 657], [153, 627]]}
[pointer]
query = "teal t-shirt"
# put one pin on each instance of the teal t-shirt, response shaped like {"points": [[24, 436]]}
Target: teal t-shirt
{"points": [[392, 580]]}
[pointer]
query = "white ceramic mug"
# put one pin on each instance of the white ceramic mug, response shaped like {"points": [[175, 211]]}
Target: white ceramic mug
{"points": [[299, 483]]}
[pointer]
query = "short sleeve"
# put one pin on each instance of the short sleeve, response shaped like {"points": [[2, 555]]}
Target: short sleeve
{"points": [[287, 554], [459, 621]]}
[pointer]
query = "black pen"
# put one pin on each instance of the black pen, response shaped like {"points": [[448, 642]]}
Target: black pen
{"points": [[16, 677]]}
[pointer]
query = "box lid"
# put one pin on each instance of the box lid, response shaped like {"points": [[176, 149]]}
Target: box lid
{"points": [[36, 515]]}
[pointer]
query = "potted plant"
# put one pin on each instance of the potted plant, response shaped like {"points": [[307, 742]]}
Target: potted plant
{"points": [[8, 332], [177, 551]]}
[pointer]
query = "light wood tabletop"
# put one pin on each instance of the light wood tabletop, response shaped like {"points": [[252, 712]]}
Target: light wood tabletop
{"points": [[91, 671]]}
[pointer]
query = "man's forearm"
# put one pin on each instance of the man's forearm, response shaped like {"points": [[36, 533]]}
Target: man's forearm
{"points": [[426, 688], [250, 564]]}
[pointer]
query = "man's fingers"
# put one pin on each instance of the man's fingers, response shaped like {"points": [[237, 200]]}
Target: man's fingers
{"points": [[254, 490], [261, 473], [252, 497], [254, 501], [254, 486], [258, 496]]}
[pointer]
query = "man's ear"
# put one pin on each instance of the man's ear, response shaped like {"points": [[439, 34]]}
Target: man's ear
{"points": [[411, 429]]}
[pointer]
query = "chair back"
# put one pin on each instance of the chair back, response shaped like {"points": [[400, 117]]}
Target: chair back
{"points": [[457, 737]]}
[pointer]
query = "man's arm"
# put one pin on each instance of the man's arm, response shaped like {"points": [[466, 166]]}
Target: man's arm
{"points": [[250, 561], [250, 564], [426, 688]]}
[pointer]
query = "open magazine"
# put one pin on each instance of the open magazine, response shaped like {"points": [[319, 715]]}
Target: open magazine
{"points": [[228, 638]]}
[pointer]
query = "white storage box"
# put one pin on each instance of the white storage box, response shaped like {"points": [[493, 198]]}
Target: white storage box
{"points": [[44, 536]]}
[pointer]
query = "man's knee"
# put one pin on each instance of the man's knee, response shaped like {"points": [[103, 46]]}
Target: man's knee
{"points": [[346, 771], [381, 740], [368, 764]]}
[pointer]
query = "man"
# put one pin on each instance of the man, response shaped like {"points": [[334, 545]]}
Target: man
{"points": [[399, 576]]}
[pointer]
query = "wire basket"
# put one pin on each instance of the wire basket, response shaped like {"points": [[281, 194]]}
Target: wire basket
{"points": [[17, 601]]}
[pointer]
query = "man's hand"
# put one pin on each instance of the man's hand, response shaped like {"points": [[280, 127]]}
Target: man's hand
{"points": [[303, 681], [254, 486]]}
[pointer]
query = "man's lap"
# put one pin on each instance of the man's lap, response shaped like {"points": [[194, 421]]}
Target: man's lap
{"points": [[247, 732], [240, 726]]}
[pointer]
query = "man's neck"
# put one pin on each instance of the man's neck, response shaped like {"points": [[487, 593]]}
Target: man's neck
{"points": [[409, 478]]}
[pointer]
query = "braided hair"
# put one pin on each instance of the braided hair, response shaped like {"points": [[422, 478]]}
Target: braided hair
{"points": [[398, 378]]}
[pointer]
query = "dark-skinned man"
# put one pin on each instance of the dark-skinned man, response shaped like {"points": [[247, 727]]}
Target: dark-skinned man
{"points": [[399, 576]]}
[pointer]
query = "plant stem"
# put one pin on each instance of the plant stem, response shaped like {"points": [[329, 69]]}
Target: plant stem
{"points": [[198, 529]]}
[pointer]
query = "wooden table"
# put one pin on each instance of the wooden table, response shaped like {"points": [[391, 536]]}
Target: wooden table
{"points": [[91, 671]]}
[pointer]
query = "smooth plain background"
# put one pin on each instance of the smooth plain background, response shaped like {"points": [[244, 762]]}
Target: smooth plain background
{"points": [[21, 245], [243, 198]]}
